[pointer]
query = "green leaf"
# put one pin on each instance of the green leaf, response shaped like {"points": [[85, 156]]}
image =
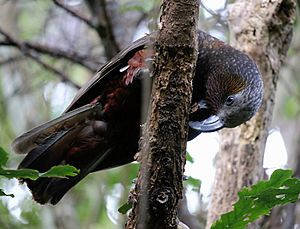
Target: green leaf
{"points": [[259, 199], [291, 107], [189, 158], [56, 171], [2, 193], [3, 157], [20, 173], [61, 171], [195, 183], [125, 208]]}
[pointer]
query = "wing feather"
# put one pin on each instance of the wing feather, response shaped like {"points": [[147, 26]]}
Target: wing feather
{"points": [[116, 64], [31, 139]]}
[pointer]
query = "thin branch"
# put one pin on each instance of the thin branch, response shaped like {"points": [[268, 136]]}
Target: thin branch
{"points": [[11, 60], [54, 52], [72, 56], [60, 74], [27, 52], [75, 14], [210, 11], [109, 29], [216, 15], [104, 27]]}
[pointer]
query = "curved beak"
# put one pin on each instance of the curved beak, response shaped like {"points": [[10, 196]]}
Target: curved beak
{"points": [[212, 123]]}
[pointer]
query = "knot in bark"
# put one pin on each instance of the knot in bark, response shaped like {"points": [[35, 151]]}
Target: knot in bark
{"points": [[162, 201]]}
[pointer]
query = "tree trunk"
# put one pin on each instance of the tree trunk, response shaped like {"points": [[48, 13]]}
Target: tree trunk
{"points": [[159, 185], [263, 29], [287, 216]]}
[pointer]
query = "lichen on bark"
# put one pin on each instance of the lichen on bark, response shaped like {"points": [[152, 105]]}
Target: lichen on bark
{"points": [[262, 29]]}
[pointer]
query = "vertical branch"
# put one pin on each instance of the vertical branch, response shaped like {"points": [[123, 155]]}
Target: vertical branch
{"points": [[108, 25], [159, 185], [263, 29], [103, 26], [75, 14]]}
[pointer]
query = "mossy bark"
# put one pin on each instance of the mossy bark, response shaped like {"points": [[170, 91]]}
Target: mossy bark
{"points": [[162, 155]]}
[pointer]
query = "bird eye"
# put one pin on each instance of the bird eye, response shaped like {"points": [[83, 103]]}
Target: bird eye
{"points": [[229, 100]]}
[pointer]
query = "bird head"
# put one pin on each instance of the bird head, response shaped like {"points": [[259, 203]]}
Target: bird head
{"points": [[234, 92]]}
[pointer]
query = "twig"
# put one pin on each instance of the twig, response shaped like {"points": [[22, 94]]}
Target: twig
{"points": [[11, 59], [75, 14], [216, 15], [72, 56], [54, 52], [109, 28], [104, 27], [27, 52], [62, 76]]}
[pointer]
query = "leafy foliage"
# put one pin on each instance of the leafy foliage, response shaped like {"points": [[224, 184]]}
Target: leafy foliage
{"points": [[189, 158], [21, 173], [259, 199], [56, 171], [291, 107], [3, 157], [125, 208], [195, 183], [60, 171], [5, 194]]}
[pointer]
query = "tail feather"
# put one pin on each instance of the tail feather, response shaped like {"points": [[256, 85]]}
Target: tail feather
{"points": [[41, 150], [35, 137], [73, 138], [53, 189]]}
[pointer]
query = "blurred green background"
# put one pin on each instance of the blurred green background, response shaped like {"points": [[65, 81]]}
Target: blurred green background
{"points": [[51, 52]]}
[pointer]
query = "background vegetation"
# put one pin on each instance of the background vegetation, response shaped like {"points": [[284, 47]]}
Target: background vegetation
{"points": [[50, 48]]}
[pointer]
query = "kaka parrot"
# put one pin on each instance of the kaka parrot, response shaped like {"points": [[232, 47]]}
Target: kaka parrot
{"points": [[101, 127]]}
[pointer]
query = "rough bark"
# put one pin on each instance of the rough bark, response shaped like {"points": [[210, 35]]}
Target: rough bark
{"points": [[285, 217], [159, 185], [263, 29]]}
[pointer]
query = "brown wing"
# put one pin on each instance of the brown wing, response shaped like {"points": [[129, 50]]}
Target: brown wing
{"points": [[99, 130], [94, 86], [31, 139]]}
